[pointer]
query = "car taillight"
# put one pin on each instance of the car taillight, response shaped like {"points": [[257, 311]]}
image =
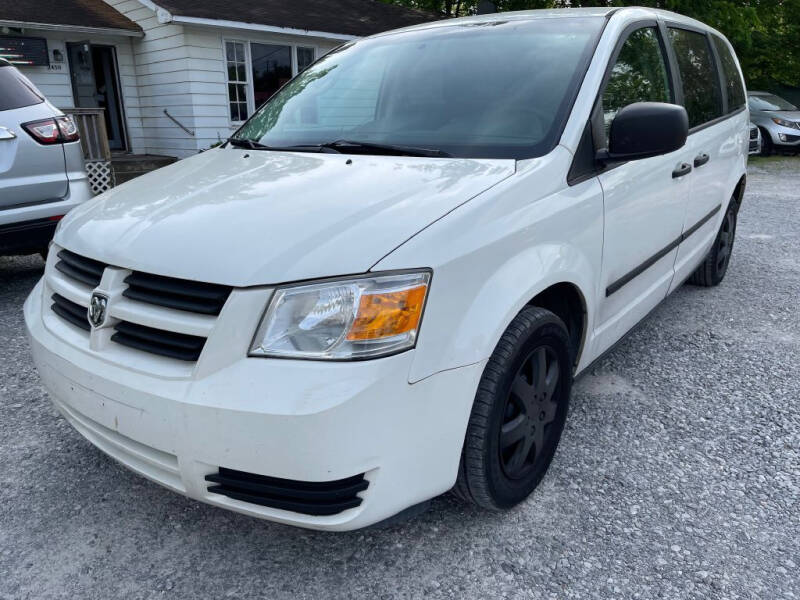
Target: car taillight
{"points": [[53, 131], [68, 128]]}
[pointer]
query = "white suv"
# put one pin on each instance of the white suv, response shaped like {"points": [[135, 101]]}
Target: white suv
{"points": [[383, 285], [41, 165]]}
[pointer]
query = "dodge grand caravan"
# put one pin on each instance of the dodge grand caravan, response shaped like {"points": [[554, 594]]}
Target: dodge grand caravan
{"points": [[381, 287]]}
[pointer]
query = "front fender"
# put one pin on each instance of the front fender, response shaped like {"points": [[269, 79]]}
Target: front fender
{"points": [[493, 255]]}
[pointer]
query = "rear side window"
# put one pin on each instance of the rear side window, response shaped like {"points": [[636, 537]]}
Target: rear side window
{"points": [[701, 92], [15, 92], [639, 74], [734, 88]]}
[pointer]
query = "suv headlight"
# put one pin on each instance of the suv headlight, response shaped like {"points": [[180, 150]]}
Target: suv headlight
{"points": [[345, 319], [784, 123]]}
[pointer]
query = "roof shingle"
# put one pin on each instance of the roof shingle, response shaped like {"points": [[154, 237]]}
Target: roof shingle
{"points": [[81, 13], [349, 17]]}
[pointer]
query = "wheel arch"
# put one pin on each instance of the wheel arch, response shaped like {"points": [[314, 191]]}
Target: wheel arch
{"points": [[568, 303], [738, 191]]}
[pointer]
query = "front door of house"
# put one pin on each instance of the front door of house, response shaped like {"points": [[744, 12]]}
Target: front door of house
{"points": [[93, 70]]}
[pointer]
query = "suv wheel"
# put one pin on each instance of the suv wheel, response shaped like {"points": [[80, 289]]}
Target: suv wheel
{"points": [[713, 268], [519, 412], [766, 143]]}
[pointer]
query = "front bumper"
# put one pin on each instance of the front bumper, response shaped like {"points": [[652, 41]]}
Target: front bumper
{"points": [[783, 136], [300, 420]]}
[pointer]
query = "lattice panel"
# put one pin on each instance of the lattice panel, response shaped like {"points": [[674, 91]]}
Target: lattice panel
{"points": [[101, 175]]}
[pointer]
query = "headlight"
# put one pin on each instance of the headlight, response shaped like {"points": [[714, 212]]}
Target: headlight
{"points": [[354, 318], [784, 123]]}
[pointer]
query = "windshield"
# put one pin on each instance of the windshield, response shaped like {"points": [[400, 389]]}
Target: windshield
{"points": [[491, 90], [770, 102]]}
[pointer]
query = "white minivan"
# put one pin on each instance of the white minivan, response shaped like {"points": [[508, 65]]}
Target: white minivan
{"points": [[381, 288]]}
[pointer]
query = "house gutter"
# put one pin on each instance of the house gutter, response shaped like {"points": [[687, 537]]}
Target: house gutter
{"points": [[263, 28], [164, 16], [72, 28]]}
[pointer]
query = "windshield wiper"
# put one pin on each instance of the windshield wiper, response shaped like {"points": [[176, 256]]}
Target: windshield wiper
{"points": [[245, 143], [389, 149]]}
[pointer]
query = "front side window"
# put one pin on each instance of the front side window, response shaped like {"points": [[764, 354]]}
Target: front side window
{"points": [[237, 80], [495, 90], [701, 92], [734, 88], [639, 74]]}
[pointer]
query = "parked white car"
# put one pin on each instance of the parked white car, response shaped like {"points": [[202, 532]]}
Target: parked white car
{"points": [[384, 284], [755, 139], [41, 165]]}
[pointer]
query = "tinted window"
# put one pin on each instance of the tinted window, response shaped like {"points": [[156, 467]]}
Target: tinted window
{"points": [[15, 92], [639, 75], [701, 93], [734, 89], [501, 89]]}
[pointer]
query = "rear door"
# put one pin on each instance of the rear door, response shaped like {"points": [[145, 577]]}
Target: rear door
{"points": [[644, 200], [29, 171], [718, 125]]}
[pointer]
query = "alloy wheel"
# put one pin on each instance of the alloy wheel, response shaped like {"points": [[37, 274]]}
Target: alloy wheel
{"points": [[725, 243], [530, 410]]}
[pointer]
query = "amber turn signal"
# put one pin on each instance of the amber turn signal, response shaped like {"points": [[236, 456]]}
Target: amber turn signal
{"points": [[387, 314]]}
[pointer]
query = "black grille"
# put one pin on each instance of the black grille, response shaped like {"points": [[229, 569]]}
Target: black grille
{"points": [[181, 294], [753, 134], [86, 270], [309, 498], [165, 343], [70, 311]]}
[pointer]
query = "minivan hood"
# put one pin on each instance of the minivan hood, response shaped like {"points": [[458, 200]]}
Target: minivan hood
{"points": [[240, 217]]}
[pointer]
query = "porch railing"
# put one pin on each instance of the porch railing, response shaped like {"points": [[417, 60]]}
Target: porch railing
{"points": [[91, 124]]}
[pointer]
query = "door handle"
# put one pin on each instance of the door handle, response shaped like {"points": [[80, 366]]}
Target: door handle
{"points": [[681, 170], [701, 159], [7, 134]]}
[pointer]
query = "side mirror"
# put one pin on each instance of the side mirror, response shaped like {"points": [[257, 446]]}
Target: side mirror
{"points": [[646, 129]]}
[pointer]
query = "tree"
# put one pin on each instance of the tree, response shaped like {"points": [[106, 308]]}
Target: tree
{"points": [[764, 33]]}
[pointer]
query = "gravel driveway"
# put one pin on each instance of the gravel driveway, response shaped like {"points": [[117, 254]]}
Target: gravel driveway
{"points": [[678, 475]]}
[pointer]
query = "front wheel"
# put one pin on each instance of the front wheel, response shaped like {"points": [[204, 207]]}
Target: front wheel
{"points": [[712, 270], [766, 143], [519, 412]]}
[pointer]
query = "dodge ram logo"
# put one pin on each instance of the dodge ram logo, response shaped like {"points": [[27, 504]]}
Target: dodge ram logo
{"points": [[97, 309]]}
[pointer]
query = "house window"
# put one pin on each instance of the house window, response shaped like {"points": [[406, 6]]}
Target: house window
{"points": [[256, 70], [272, 67], [305, 56], [237, 79]]}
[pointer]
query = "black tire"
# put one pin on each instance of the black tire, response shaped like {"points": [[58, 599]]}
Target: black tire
{"points": [[766, 143], [517, 395], [712, 270]]}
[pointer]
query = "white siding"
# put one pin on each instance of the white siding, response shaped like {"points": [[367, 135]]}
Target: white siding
{"points": [[160, 67], [180, 68], [56, 84], [207, 74]]}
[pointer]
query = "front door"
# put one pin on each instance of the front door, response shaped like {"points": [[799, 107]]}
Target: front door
{"points": [[95, 85], [644, 200]]}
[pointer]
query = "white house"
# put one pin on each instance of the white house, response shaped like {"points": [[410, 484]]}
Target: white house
{"points": [[176, 76]]}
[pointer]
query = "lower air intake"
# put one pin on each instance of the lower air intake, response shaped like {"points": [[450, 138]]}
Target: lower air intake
{"points": [[306, 497]]}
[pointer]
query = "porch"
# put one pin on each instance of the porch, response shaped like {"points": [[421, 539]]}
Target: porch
{"points": [[107, 168]]}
